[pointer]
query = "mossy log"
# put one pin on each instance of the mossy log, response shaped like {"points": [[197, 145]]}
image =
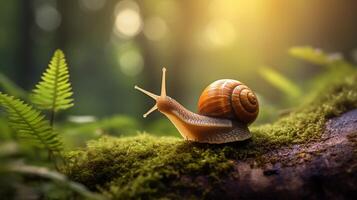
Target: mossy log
{"points": [[310, 153], [322, 169]]}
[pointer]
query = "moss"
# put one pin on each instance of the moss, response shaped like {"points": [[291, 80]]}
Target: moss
{"points": [[143, 165], [150, 167]]}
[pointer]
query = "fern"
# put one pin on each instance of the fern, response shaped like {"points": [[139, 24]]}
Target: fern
{"points": [[30, 123], [54, 91]]}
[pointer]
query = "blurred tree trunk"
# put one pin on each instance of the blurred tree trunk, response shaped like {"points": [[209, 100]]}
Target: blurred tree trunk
{"points": [[25, 62], [182, 36], [62, 33], [184, 44]]}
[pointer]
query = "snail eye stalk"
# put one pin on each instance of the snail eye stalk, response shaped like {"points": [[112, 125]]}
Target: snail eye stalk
{"points": [[163, 83], [154, 96], [150, 111]]}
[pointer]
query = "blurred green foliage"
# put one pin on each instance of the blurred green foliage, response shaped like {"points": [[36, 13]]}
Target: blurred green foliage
{"points": [[334, 68], [10, 87], [20, 181], [316, 56], [162, 127], [287, 87], [76, 134]]}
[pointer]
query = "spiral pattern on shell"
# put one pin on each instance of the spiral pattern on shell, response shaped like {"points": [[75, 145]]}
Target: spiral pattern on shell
{"points": [[227, 98]]}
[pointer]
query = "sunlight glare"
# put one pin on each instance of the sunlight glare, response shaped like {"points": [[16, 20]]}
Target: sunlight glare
{"points": [[220, 32], [128, 22], [155, 28]]}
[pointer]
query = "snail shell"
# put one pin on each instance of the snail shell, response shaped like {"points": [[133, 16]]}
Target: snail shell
{"points": [[227, 98]]}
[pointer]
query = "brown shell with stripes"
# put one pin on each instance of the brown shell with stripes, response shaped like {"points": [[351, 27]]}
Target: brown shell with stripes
{"points": [[227, 98]]}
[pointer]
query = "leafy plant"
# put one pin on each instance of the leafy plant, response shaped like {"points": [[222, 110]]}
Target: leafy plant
{"points": [[30, 123], [54, 91]]}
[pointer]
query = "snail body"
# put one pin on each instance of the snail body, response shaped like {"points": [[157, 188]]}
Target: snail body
{"points": [[220, 118]]}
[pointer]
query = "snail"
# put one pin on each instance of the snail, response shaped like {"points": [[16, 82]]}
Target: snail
{"points": [[226, 108]]}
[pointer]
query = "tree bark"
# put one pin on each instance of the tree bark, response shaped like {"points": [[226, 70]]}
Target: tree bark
{"points": [[323, 169]]}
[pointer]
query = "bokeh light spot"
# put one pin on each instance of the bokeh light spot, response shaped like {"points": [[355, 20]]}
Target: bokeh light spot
{"points": [[128, 23], [155, 28], [131, 62], [47, 18], [220, 32], [82, 119], [125, 4]]}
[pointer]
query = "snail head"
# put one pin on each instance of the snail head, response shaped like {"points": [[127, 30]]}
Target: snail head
{"points": [[162, 100]]}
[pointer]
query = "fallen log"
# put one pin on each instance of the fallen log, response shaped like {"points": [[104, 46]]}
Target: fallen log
{"points": [[323, 169]]}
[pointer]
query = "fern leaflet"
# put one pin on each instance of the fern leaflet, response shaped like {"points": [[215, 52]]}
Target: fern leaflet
{"points": [[54, 91], [30, 123]]}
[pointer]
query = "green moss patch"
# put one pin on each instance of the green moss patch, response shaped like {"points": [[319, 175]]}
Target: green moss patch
{"points": [[144, 165], [150, 167]]}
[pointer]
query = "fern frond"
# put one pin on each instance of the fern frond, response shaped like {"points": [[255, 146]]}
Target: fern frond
{"points": [[30, 123], [54, 91]]}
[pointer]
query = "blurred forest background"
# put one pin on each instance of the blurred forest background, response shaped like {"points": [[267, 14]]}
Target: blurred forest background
{"points": [[112, 45]]}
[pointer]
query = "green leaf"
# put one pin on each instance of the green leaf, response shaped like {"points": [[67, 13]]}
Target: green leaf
{"points": [[280, 82], [316, 56], [30, 123], [54, 91]]}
